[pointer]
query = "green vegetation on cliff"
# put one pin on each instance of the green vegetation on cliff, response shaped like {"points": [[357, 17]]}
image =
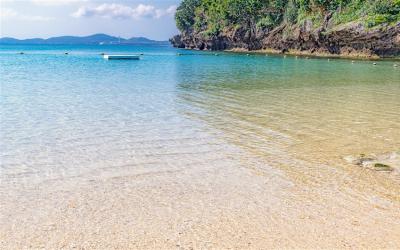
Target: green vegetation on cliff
{"points": [[210, 17]]}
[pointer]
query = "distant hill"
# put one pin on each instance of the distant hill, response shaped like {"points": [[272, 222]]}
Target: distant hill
{"points": [[93, 39]]}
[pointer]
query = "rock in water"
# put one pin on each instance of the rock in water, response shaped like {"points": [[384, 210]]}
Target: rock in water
{"points": [[382, 167], [387, 162]]}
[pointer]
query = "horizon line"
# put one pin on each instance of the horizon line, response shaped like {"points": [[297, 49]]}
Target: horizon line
{"points": [[81, 36]]}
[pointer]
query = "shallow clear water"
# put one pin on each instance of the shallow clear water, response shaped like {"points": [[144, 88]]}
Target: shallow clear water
{"points": [[80, 116], [63, 115]]}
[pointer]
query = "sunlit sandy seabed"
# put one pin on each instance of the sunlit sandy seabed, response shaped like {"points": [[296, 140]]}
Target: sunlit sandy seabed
{"points": [[195, 151]]}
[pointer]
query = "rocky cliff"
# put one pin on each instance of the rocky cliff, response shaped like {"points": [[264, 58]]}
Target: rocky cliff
{"points": [[350, 39]]}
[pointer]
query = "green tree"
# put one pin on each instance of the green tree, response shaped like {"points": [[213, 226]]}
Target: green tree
{"points": [[212, 16], [185, 14]]}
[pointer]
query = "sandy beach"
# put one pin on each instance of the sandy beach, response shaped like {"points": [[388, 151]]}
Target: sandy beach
{"points": [[203, 206]]}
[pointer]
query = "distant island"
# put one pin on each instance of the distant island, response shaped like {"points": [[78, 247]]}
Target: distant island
{"points": [[101, 39], [351, 28]]}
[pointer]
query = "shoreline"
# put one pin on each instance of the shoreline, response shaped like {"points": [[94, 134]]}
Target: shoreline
{"points": [[351, 56], [355, 56]]}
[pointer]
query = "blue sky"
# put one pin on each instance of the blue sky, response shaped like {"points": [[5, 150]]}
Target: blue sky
{"points": [[126, 18]]}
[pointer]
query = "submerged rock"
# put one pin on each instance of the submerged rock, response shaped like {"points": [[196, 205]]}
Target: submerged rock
{"points": [[387, 162], [382, 167]]}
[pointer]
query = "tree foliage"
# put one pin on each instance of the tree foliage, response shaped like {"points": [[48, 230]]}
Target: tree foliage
{"points": [[185, 14], [211, 16]]}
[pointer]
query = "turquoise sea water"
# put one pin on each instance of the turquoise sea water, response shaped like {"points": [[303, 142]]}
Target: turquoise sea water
{"points": [[195, 150], [71, 115]]}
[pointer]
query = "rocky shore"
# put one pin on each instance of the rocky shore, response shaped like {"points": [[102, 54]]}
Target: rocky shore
{"points": [[352, 39]]}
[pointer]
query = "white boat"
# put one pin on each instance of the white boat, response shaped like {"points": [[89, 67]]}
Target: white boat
{"points": [[121, 57]]}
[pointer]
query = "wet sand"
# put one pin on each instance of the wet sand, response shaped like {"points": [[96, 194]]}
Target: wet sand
{"points": [[226, 205]]}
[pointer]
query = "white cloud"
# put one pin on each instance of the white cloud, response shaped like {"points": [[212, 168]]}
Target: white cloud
{"points": [[170, 11], [56, 2], [47, 2], [7, 13], [119, 11]]}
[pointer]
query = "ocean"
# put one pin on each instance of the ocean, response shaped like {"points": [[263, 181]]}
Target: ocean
{"points": [[138, 148]]}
